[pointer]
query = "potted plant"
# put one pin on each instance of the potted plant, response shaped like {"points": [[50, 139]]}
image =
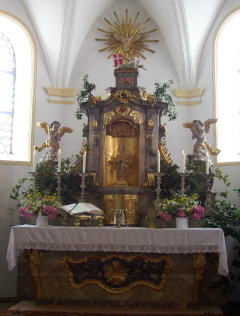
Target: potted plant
{"points": [[181, 207], [40, 205]]}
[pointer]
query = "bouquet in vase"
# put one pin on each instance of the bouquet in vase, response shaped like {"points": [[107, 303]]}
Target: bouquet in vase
{"points": [[181, 205], [34, 205]]}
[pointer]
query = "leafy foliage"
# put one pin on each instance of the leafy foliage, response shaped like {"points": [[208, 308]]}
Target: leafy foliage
{"points": [[227, 217], [47, 182], [162, 96], [84, 95]]}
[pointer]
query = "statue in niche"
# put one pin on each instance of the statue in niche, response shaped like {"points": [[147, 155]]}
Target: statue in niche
{"points": [[55, 134], [199, 131]]}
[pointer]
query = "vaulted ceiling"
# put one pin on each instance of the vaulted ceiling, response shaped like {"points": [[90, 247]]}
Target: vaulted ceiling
{"points": [[63, 25]]}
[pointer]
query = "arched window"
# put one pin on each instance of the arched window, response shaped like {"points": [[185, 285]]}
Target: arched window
{"points": [[17, 90], [227, 88], [7, 93]]}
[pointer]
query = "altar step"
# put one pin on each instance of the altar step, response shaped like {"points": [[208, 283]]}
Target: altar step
{"points": [[203, 309]]}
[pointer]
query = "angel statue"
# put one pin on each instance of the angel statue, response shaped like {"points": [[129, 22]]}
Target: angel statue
{"points": [[55, 134], [199, 131]]}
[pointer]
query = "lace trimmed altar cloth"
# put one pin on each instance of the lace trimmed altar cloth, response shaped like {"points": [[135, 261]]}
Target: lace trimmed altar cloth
{"points": [[110, 239]]}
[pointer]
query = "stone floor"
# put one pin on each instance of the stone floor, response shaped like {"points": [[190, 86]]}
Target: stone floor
{"points": [[30, 305]]}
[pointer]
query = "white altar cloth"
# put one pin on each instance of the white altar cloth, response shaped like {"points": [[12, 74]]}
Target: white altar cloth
{"points": [[110, 239]]}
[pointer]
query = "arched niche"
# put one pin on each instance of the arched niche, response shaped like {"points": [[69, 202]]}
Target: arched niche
{"points": [[122, 154]]}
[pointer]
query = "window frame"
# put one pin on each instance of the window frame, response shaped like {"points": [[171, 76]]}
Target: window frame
{"points": [[23, 129]]}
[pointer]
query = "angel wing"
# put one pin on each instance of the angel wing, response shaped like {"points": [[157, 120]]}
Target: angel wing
{"points": [[64, 130], [45, 126], [189, 125], [207, 124]]}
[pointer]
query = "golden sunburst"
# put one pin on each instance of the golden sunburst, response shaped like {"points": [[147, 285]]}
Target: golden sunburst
{"points": [[127, 38]]}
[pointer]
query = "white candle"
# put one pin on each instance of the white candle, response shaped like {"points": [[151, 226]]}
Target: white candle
{"points": [[207, 163], [84, 163], [183, 161], [158, 162], [59, 160], [34, 160]]}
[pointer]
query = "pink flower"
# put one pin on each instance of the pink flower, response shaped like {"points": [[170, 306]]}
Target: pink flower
{"points": [[166, 216], [50, 211], [22, 211], [197, 212], [181, 213]]}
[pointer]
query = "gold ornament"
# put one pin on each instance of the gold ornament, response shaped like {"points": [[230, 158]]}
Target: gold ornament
{"points": [[123, 96], [126, 37]]}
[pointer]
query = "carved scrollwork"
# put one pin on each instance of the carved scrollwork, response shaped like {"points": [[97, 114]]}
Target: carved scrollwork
{"points": [[123, 110], [137, 117], [108, 117], [117, 273], [123, 96], [94, 100], [150, 98]]}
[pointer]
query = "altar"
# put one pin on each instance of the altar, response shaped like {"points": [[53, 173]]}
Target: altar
{"points": [[128, 267]]}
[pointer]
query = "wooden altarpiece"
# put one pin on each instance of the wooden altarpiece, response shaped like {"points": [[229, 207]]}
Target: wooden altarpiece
{"points": [[124, 133]]}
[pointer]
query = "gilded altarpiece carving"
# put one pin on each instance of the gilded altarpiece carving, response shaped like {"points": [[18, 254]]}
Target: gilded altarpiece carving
{"points": [[122, 154]]}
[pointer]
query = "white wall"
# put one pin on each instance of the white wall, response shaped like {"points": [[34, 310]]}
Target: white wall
{"points": [[89, 61]]}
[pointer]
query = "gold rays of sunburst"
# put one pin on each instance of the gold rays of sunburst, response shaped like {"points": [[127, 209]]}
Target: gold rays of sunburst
{"points": [[126, 37]]}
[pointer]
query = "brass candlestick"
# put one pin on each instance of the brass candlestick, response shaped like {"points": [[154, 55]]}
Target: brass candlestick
{"points": [[34, 174], [83, 186], [158, 190]]}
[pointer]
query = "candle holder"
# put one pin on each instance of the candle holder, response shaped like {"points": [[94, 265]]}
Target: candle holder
{"points": [[34, 174], [208, 201], [59, 174], [152, 213], [158, 190], [183, 176], [83, 186]]}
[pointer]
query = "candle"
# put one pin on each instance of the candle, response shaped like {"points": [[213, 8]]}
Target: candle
{"points": [[158, 162], [207, 163], [183, 161], [59, 160], [34, 160], [84, 163]]}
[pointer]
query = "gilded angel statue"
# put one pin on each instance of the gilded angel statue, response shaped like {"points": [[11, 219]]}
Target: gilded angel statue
{"points": [[55, 134], [199, 131]]}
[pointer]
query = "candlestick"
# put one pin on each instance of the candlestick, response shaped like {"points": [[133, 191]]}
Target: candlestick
{"points": [[207, 163], [183, 161], [34, 160], [158, 162], [84, 163], [59, 160]]}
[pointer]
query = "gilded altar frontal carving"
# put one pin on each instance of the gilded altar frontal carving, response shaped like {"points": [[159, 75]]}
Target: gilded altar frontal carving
{"points": [[117, 273]]}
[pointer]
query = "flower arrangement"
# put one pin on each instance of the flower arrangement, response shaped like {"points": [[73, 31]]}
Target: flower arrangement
{"points": [[39, 204], [181, 206]]}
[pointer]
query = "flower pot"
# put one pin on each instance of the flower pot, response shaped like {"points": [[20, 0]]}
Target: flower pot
{"points": [[182, 223], [42, 221]]}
